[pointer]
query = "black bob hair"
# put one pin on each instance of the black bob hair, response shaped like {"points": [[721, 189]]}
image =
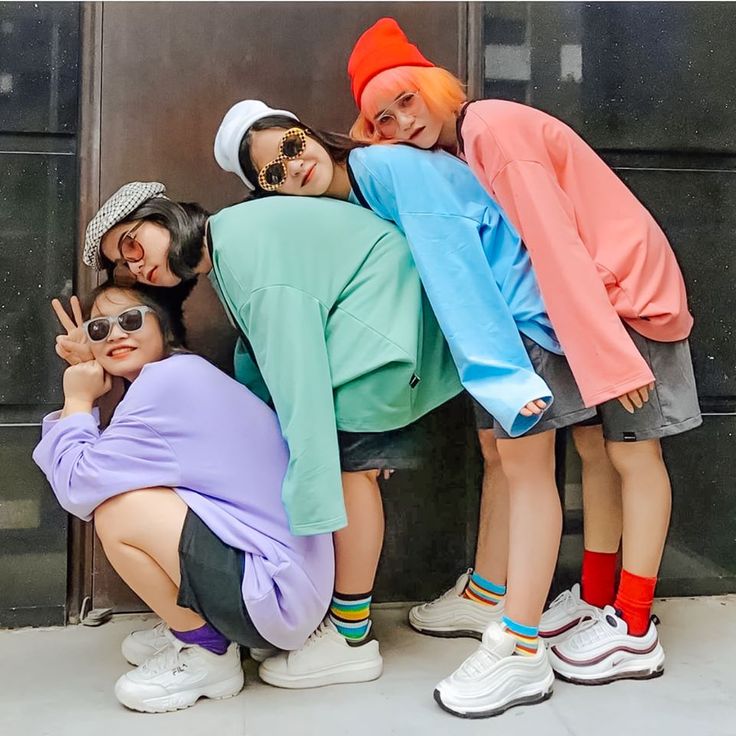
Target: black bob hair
{"points": [[185, 222]]}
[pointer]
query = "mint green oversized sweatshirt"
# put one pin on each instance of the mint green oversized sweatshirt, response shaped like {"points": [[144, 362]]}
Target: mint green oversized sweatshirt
{"points": [[327, 295]]}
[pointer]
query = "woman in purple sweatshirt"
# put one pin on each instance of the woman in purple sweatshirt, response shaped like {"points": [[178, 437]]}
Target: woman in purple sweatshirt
{"points": [[185, 489]]}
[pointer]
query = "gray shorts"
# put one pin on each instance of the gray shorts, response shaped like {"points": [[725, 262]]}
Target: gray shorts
{"points": [[672, 407], [567, 408]]}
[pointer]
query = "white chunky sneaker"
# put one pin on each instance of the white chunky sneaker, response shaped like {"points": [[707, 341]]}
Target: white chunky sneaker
{"points": [[605, 651], [139, 646], [325, 659], [178, 676], [494, 679], [565, 615], [453, 615]]}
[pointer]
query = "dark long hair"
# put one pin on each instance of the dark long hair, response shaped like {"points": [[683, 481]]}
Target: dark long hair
{"points": [[185, 222], [166, 304], [337, 145]]}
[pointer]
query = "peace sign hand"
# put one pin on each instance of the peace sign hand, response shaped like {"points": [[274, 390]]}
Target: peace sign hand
{"points": [[72, 347]]}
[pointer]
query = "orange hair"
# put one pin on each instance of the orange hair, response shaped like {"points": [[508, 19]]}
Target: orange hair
{"points": [[442, 92]]}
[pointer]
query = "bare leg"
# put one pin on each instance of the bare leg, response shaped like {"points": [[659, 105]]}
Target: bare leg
{"points": [[358, 545], [140, 533], [535, 523], [602, 513], [492, 551], [647, 502]]}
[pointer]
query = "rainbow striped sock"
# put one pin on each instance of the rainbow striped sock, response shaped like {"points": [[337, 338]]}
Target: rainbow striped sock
{"points": [[527, 641], [484, 591], [350, 613]]}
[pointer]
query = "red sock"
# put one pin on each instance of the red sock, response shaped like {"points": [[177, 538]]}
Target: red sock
{"points": [[634, 600], [598, 578]]}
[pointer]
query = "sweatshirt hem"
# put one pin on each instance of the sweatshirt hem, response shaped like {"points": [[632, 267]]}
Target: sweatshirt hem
{"points": [[320, 527], [613, 391]]}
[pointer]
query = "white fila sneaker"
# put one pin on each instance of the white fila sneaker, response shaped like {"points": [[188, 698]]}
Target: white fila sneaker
{"points": [[494, 679], [453, 615], [178, 676], [565, 614], [139, 646], [325, 659], [605, 651]]}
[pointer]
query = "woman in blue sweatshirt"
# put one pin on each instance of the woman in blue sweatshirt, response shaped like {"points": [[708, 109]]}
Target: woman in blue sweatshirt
{"points": [[480, 282]]}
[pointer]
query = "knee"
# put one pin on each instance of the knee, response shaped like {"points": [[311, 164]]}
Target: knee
{"points": [[114, 517], [107, 518], [590, 444], [634, 457], [528, 459], [489, 449]]}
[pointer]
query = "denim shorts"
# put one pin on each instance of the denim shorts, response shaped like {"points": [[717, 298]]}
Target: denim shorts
{"points": [[406, 448]]}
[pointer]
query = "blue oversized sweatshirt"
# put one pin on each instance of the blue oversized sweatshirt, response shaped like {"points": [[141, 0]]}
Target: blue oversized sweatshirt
{"points": [[474, 268]]}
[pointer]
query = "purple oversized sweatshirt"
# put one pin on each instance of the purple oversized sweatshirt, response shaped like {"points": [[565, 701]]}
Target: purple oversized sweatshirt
{"points": [[186, 425]]}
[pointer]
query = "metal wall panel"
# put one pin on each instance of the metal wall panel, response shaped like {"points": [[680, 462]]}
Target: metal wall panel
{"points": [[39, 86], [644, 84]]}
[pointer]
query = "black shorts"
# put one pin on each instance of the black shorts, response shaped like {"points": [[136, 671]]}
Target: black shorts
{"points": [[211, 583]]}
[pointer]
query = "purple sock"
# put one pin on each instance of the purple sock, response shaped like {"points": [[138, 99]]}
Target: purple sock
{"points": [[205, 636]]}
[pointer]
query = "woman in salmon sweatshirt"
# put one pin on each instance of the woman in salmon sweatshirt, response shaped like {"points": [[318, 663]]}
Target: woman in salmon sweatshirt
{"points": [[616, 298]]}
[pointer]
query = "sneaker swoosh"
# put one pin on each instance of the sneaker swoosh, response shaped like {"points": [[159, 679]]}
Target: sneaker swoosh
{"points": [[601, 657]]}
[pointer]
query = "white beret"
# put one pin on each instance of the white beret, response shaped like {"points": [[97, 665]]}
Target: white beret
{"points": [[234, 126]]}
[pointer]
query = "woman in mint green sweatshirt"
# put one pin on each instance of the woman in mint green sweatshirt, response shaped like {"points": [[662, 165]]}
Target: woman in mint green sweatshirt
{"points": [[329, 304]]}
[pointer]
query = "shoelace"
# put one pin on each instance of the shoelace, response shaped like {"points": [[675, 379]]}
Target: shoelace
{"points": [[447, 594], [596, 629], [160, 629], [478, 662], [565, 598], [166, 659], [451, 593], [319, 633]]}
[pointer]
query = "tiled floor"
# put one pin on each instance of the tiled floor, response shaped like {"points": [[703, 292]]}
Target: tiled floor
{"points": [[58, 682]]}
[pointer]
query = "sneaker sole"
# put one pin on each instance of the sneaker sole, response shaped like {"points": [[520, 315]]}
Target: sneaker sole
{"points": [[364, 672], [179, 701], [605, 680], [526, 700], [650, 665], [448, 633]]}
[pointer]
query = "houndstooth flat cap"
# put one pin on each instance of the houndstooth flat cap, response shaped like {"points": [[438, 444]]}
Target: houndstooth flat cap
{"points": [[127, 199]]}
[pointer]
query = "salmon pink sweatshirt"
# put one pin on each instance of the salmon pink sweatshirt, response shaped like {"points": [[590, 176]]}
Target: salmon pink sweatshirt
{"points": [[599, 256]]}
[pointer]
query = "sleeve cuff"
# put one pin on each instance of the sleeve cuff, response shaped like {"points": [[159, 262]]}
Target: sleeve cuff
{"points": [[79, 419]]}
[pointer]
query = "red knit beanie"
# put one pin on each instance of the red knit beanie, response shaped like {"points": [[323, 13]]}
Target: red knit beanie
{"points": [[383, 46]]}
